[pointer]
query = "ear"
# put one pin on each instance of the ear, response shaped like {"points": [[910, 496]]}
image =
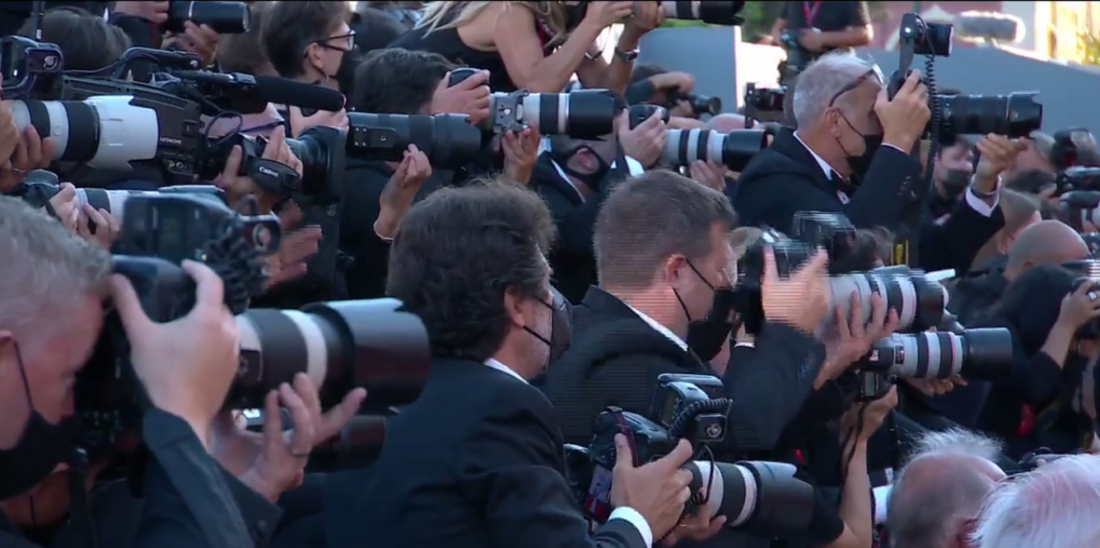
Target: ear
{"points": [[671, 270], [832, 121], [513, 308], [314, 51]]}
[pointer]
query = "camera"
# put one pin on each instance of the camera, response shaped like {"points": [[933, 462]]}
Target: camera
{"points": [[733, 149], [918, 301], [1013, 115], [374, 344], [764, 104], [798, 58], [581, 114], [761, 498], [976, 353], [700, 104], [222, 17]]}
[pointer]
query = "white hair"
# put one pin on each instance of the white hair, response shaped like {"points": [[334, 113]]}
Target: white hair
{"points": [[957, 441], [1055, 505], [46, 269], [822, 80]]}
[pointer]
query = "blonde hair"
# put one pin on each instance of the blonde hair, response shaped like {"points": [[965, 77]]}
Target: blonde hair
{"points": [[448, 15]]}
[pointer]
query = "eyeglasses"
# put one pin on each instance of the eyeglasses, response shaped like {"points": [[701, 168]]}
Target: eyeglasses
{"points": [[344, 42]]}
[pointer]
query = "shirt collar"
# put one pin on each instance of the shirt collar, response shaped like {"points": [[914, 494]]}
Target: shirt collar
{"points": [[825, 167], [504, 369], [659, 328]]}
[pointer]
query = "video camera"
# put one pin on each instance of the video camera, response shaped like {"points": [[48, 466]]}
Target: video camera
{"points": [[581, 114], [761, 498], [918, 300], [374, 343]]}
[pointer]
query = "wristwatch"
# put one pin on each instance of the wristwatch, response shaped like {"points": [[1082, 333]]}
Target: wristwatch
{"points": [[626, 56]]}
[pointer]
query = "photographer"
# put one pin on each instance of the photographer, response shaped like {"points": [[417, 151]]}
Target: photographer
{"points": [[547, 42], [52, 315], [663, 257], [575, 176], [822, 27], [469, 262], [311, 42], [1045, 313], [850, 155]]}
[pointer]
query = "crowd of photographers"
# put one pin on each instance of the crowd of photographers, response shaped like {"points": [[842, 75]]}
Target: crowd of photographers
{"points": [[452, 274]]}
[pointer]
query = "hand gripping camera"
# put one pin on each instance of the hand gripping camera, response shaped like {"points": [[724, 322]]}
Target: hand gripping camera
{"points": [[761, 498]]}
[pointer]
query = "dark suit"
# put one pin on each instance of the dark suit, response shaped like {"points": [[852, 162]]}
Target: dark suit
{"points": [[785, 178], [476, 462]]}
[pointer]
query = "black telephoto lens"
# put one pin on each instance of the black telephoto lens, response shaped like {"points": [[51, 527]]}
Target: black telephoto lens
{"points": [[1013, 115], [373, 344], [222, 17], [705, 104], [448, 139]]}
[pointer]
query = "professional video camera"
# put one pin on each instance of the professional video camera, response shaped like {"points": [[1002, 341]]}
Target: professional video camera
{"points": [[733, 149], [581, 114], [761, 498], [373, 344], [764, 104], [120, 125]]}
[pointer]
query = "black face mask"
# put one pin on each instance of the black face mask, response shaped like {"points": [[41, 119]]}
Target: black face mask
{"points": [[860, 163], [561, 329], [954, 182], [40, 449], [705, 337], [593, 179]]}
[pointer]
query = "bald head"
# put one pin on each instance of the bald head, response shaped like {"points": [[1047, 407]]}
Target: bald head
{"points": [[725, 123], [1045, 242], [934, 495]]}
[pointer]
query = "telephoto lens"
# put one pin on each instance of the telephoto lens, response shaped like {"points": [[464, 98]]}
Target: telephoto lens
{"points": [[106, 132], [763, 499], [221, 17], [1080, 206], [1013, 115], [373, 344], [714, 12], [700, 104], [918, 301], [979, 353], [448, 140], [581, 114], [733, 149]]}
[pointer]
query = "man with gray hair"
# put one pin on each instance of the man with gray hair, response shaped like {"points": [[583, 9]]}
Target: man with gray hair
{"points": [[941, 489], [52, 288], [851, 155], [1055, 505]]}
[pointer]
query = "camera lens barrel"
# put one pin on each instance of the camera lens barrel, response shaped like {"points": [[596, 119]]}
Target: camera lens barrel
{"points": [[222, 17], [581, 114], [448, 139], [1014, 115], [107, 131], [979, 353], [714, 12], [918, 301], [372, 344], [733, 149], [760, 498]]}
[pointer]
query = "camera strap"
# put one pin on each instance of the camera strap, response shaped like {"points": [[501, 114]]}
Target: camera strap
{"points": [[809, 10]]}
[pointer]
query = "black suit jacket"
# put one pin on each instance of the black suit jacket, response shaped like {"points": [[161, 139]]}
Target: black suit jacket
{"points": [[785, 179], [476, 462], [621, 369]]}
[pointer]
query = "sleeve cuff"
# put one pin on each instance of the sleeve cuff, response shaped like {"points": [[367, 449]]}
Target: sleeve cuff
{"points": [[977, 204], [631, 515], [881, 495], [634, 166]]}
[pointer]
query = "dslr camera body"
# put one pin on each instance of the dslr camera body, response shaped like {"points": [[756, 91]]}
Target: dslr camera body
{"points": [[760, 498]]}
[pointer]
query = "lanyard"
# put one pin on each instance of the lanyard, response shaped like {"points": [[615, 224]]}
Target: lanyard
{"points": [[809, 9]]}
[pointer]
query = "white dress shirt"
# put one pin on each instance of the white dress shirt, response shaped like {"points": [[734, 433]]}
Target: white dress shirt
{"points": [[624, 513], [972, 199], [634, 166]]}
